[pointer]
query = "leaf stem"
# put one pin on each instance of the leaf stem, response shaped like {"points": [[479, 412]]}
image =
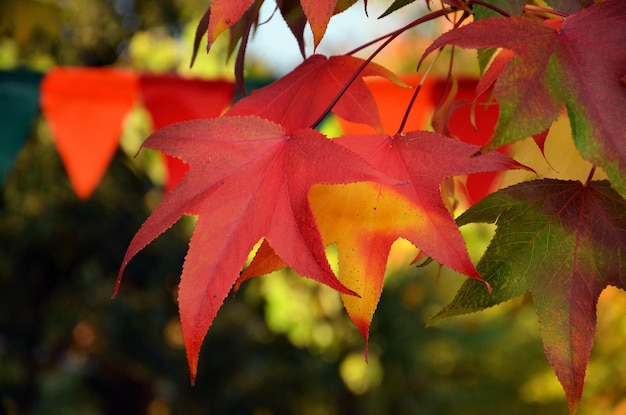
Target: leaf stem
{"points": [[446, 88], [430, 16], [370, 43], [591, 173], [416, 93], [391, 36]]}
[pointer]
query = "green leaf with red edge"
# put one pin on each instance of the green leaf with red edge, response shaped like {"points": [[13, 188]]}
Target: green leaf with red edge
{"points": [[562, 241], [248, 179], [556, 64], [500, 61], [365, 219], [298, 99]]}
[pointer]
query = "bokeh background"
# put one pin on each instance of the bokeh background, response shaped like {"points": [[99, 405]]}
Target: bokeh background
{"points": [[282, 344]]}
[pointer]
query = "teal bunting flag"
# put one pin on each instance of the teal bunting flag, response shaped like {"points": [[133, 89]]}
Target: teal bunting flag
{"points": [[19, 104]]}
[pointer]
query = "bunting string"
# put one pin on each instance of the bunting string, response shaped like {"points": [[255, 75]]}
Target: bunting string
{"points": [[85, 109]]}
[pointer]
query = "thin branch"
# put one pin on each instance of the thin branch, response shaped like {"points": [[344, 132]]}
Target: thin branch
{"points": [[416, 93], [446, 87], [370, 43], [391, 37], [395, 33]]}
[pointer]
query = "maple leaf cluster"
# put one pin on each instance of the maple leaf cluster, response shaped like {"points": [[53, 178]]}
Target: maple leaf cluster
{"points": [[261, 172]]}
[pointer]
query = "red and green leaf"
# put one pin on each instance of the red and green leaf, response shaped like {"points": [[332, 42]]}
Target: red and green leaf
{"points": [[556, 65], [563, 241]]}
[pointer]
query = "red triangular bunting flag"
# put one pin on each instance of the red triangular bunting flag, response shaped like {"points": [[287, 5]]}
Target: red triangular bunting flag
{"points": [[391, 100], [171, 99], [85, 108]]}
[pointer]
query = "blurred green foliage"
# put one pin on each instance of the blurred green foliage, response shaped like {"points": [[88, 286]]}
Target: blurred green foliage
{"points": [[282, 344]]}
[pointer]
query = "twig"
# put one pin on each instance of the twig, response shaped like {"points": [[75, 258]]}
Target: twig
{"points": [[391, 37]]}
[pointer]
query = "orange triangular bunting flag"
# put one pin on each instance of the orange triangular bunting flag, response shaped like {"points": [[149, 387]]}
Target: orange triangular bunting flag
{"points": [[85, 108]]}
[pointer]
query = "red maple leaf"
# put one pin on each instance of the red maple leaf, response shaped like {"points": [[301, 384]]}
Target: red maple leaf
{"points": [[366, 219], [223, 14], [248, 179], [318, 14], [424, 160], [298, 99]]}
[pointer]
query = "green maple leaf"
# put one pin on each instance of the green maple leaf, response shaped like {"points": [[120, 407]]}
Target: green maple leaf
{"points": [[563, 241]]}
